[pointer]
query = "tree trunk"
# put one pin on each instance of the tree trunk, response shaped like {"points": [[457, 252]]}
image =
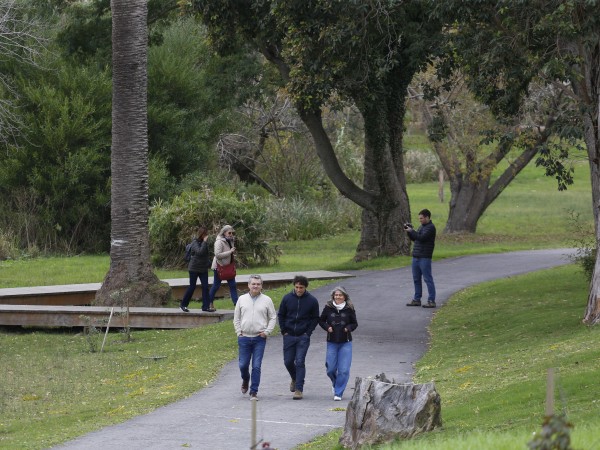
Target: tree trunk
{"points": [[587, 89], [382, 231], [381, 411], [592, 134], [130, 279], [467, 204], [384, 212]]}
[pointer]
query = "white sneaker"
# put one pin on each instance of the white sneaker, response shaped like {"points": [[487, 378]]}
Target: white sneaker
{"points": [[336, 398]]}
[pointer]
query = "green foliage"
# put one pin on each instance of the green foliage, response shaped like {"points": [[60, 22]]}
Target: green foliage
{"points": [[55, 179], [191, 93], [54, 184], [9, 245], [584, 241], [172, 225], [421, 166], [297, 219], [555, 434]]}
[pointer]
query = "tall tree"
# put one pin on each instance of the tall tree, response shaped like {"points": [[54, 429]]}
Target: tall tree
{"points": [[20, 40], [471, 145], [505, 45], [130, 279], [362, 52]]}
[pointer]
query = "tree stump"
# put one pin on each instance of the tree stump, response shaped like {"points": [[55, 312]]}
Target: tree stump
{"points": [[381, 411]]}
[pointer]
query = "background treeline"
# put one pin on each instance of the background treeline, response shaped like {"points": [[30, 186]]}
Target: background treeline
{"points": [[218, 153]]}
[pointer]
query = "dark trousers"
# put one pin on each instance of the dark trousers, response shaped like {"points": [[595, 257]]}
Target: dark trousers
{"points": [[294, 355], [203, 276]]}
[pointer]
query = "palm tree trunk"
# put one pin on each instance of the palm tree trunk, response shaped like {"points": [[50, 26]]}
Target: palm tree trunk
{"points": [[130, 279]]}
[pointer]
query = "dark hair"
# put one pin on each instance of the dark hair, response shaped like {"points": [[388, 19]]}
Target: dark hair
{"points": [[425, 213], [301, 279], [202, 231]]}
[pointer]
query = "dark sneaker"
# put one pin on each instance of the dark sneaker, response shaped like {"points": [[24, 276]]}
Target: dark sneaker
{"points": [[429, 305], [297, 395], [184, 309], [253, 396], [244, 387], [414, 303], [293, 386]]}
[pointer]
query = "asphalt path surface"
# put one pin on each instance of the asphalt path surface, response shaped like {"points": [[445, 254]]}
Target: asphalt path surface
{"points": [[390, 338]]}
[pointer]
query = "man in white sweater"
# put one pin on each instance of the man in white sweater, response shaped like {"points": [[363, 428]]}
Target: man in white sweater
{"points": [[253, 319]]}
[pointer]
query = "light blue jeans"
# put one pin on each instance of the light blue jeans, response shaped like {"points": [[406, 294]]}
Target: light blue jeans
{"points": [[338, 361], [251, 349], [421, 267]]}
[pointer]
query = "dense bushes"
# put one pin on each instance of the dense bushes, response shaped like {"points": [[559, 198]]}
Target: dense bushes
{"points": [[298, 219], [256, 220], [172, 225]]}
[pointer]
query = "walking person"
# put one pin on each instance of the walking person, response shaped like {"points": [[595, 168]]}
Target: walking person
{"points": [[338, 319], [298, 317], [254, 319], [224, 251], [424, 239], [198, 269]]}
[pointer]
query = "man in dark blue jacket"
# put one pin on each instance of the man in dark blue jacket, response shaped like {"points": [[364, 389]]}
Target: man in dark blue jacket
{"points": [[424, 239], [298, 316]]}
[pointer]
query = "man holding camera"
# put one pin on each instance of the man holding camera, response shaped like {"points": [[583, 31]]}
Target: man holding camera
{"points": [[424, 239]]}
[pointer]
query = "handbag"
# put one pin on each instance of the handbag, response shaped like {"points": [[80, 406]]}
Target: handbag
{"points": [[226, 272]]}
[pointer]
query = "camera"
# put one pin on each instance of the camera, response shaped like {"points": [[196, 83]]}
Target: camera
{"points": [[407, 226]]}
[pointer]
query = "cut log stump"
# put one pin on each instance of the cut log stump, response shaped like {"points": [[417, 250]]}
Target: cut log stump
{"points": [[381, 411]]}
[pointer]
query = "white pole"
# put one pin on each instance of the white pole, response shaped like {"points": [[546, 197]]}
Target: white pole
{"points": [[107, 327]]}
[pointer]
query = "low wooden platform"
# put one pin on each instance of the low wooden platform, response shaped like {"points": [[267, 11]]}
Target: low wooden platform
{"points": [[81, 316], [68, 305], [83, 294]]}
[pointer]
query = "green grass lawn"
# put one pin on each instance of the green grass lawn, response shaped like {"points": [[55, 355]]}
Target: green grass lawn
{"points": [[491, 345]]}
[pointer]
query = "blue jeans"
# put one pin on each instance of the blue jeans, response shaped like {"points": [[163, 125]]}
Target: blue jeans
{"points": [[421, 267], [294, 355], [251, 348], [337, 362], [190, 290], [217, 284]]}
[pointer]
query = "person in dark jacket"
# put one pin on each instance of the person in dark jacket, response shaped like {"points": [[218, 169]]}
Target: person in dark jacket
{"points": [[198, 268], [298, 317], [338, 319], [424, 239]]}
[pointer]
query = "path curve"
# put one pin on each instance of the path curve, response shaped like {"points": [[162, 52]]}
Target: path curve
{"points": [[390, 338]]}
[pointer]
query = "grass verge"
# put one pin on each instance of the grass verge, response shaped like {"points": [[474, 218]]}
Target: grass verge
{"points": [[491, 346]]}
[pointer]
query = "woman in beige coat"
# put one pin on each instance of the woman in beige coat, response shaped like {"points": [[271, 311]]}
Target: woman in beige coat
{"points": [[224, 251]]}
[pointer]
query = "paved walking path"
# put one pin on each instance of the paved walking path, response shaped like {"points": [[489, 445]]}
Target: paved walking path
{"points": [[390, 338]]}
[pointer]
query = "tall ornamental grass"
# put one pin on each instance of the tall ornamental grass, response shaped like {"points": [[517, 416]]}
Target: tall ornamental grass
{"points": [[297, 219]]}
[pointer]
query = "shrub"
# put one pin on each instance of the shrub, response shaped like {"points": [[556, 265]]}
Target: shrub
{"points": [[173, 224], [9, 245], [297, 219], [421, 166]]}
